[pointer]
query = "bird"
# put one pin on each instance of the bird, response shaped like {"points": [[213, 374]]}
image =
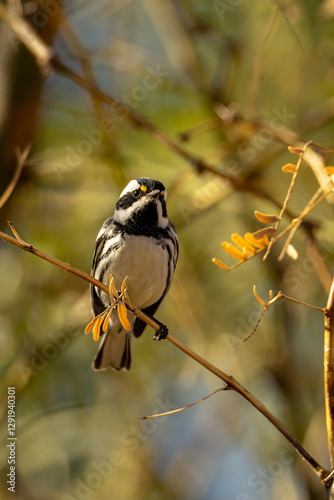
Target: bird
{"points": [[140, 243]]}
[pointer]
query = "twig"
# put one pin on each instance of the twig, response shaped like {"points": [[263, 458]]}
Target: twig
{"points": [[199, 128], [178, 410], [271, 300], [228, 379], [329, 371], [17, 236], [21, 161], [296, 301], [287, 197], [257, 325]]}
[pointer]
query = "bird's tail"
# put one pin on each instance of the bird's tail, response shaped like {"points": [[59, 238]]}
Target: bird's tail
{"points": [[114, 351]]}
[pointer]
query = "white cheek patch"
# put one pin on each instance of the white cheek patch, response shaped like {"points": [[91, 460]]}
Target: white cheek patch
{"points": [[165, 194], [162, 221], [122, 214], [130, 187]]}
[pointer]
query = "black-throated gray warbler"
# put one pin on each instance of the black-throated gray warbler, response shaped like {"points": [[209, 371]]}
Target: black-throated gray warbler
{"points": [[139, 242]]}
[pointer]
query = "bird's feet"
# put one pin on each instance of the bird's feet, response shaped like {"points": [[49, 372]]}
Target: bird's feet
{"points": [[161, 333]]}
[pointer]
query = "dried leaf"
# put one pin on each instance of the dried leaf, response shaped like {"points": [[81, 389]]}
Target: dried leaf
{"points": [[122, 314], [106, 319], [97, 327], [90, 326], [220, 264], [233, 251], [289, 167], [267, 219], [329, 170], [123, 285], [240, 242], [294, 150], [112, 288], [256, 243], [263, 234], [292, 252], [96, 332]]}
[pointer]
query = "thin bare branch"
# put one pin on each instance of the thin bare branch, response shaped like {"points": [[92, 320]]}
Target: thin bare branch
{"points": [[257, 324], [67, 267], [21, 162], [287, 197], [199, 128], [178, 410], [271, 300], [296, 301]]}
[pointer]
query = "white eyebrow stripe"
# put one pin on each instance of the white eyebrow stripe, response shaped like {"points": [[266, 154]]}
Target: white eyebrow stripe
{"points": [[130, 187]]}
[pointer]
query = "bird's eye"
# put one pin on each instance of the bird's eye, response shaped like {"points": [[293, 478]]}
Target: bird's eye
{"points": [[136, 193]]}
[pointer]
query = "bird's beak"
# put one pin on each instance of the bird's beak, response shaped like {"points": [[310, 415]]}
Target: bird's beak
{"points": [[154, 194]]}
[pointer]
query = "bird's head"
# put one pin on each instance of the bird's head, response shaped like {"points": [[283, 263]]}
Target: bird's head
{"points": [[142, 203]]}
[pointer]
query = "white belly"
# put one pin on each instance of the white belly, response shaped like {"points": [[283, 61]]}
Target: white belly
{"points": [[146, 265]]}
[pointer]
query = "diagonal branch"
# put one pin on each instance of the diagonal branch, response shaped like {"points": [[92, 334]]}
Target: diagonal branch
{"points": [[230, 381], [71, 269]]}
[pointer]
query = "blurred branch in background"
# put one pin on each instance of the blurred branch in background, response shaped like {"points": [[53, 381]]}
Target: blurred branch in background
{"points": [[46, 59]]}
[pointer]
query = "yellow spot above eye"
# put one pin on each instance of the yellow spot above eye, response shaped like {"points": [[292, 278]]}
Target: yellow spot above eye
{"points": [[162, 193], [143, 188]]}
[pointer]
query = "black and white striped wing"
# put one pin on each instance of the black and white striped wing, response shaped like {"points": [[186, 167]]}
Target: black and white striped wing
{"points": [[103, 247]]}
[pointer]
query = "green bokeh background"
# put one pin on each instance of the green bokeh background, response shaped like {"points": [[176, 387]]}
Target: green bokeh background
{"points": [[79, 432]]}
